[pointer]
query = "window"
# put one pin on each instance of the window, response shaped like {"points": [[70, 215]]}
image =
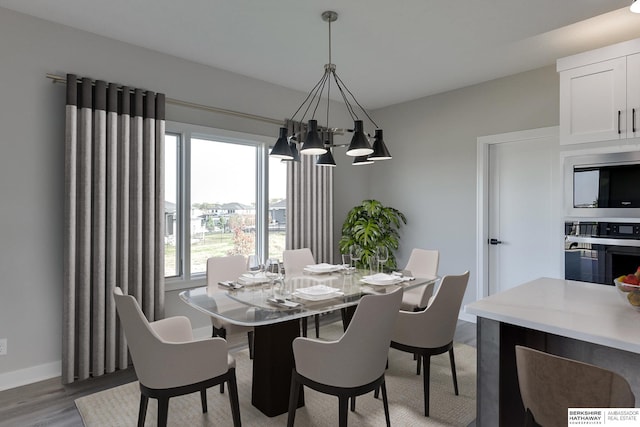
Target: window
{"points": [[224, 196]]}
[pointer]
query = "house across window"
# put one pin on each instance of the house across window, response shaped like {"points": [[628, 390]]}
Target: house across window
{"points": [[232, 200]]}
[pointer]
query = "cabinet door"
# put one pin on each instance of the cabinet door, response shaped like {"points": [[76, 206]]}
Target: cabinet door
{"points": [[633, 95], [593, 102]]}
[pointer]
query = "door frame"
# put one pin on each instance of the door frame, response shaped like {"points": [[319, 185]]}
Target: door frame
{"points": [[482, 195]]}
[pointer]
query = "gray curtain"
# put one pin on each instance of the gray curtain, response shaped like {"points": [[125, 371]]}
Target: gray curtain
{"points": [[310, 202], [114, 219]]}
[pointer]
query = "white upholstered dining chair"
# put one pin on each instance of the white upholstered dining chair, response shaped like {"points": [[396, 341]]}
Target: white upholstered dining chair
{"points": [[422, 263], [550, 384], [430, 332], [294, 261], [352, 365], [220, 269], [169, 362]]}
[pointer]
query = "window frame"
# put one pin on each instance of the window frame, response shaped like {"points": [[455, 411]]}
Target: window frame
{"points": [[185, 132]]}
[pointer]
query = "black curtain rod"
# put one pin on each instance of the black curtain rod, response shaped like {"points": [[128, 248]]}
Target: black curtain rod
{"points": [[63, 80]]}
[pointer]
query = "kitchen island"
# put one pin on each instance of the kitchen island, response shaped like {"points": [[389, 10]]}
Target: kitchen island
{"points": [[582, 321]]}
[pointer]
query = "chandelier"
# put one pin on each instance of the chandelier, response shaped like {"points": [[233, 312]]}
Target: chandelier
{"points": [[359, 148]]}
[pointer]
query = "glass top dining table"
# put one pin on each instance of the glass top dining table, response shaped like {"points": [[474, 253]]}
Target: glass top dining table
{"points": [[260, 302], [276, 322]]}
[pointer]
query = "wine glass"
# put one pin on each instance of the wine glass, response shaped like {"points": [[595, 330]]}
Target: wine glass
{"points": [[346, 263], [272, 269], [356, 254], [382, 253], [273, 273], [253, 265]]}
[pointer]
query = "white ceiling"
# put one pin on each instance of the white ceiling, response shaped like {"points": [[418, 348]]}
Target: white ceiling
{"points": [[386, 52]]}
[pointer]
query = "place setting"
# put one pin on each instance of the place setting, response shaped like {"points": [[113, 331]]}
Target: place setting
{"points": [[317, 293], [323, 268]]}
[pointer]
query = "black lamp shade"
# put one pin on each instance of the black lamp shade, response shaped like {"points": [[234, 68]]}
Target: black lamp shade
{"points": [[326, 160], [294, 150], [362, 160], [281, 150], [312, 143], [359, 144], [380, 151]]}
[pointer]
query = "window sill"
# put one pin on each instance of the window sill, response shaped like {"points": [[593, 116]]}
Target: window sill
{"points": [[175, 284]]}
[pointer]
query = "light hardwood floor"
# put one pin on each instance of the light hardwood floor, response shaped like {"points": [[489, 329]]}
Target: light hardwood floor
{"points": [[49, 403]]}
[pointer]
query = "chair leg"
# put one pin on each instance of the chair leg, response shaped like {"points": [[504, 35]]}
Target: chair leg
{"points": [[376, 393], [345, 321], [342, 411], [222, 333], [304, 327], [385, 403], [233, 398], [250, 342], [203, 399], [426, 376], [163, 411], [419, 364], [453, 371], [353, 403], [294, 393], [317, 320], [142, 413]]}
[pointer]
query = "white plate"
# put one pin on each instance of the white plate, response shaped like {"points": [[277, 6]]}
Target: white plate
{"points": [[317, 290], [382, 279], [322, 268], [250, 278], [309, 297]]}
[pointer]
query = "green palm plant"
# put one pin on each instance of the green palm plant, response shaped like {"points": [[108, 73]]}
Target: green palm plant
{"points": [[370, 225]]}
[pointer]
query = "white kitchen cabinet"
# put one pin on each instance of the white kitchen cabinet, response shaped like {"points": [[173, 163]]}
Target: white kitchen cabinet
{"points": [[593, 102], [633, 95], [600, 94]]}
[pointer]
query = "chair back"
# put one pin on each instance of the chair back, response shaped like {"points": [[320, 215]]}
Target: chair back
{"points": [[295, 260], [144, 343], [360, 356], [550, 384], [435, 326], [424, 263], [221, 268]]}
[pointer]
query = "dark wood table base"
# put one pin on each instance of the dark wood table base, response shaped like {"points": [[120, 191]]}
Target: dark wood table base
{"points": [[272, 365]]}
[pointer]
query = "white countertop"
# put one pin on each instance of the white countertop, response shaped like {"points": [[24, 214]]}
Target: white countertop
{"points": [[583, 311]]}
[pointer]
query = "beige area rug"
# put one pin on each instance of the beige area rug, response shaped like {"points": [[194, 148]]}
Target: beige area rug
{"points": [[119, 406]]}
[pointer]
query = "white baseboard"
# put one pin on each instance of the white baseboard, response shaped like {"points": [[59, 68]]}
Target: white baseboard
{"points": [[30, 375]]}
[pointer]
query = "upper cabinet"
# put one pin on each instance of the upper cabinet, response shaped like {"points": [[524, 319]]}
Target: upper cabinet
{"points": [[600, 94]]}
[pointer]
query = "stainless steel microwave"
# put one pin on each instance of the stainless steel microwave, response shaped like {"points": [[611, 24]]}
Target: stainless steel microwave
{"points": [[603, 185]]}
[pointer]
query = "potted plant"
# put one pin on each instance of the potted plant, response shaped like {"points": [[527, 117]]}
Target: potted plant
{"points": [[371, 225]]}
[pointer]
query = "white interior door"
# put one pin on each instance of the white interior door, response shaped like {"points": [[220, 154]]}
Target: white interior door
{"points": [[524, 218]]}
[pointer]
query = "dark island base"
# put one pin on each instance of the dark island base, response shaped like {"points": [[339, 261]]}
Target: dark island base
{"points": [[499, 402]]}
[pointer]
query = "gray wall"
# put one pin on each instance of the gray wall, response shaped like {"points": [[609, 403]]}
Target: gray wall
{"points": [[432, 177], [32, 160]]}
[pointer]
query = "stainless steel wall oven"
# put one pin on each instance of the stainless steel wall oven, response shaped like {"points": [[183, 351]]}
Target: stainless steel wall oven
{"points": [[598, 252]]}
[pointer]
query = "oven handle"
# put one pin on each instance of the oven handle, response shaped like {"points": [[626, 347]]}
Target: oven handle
{"points": [[603, 241]]}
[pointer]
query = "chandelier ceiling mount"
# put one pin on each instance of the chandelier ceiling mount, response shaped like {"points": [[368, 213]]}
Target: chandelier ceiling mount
{"points": [[359, 148]]}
